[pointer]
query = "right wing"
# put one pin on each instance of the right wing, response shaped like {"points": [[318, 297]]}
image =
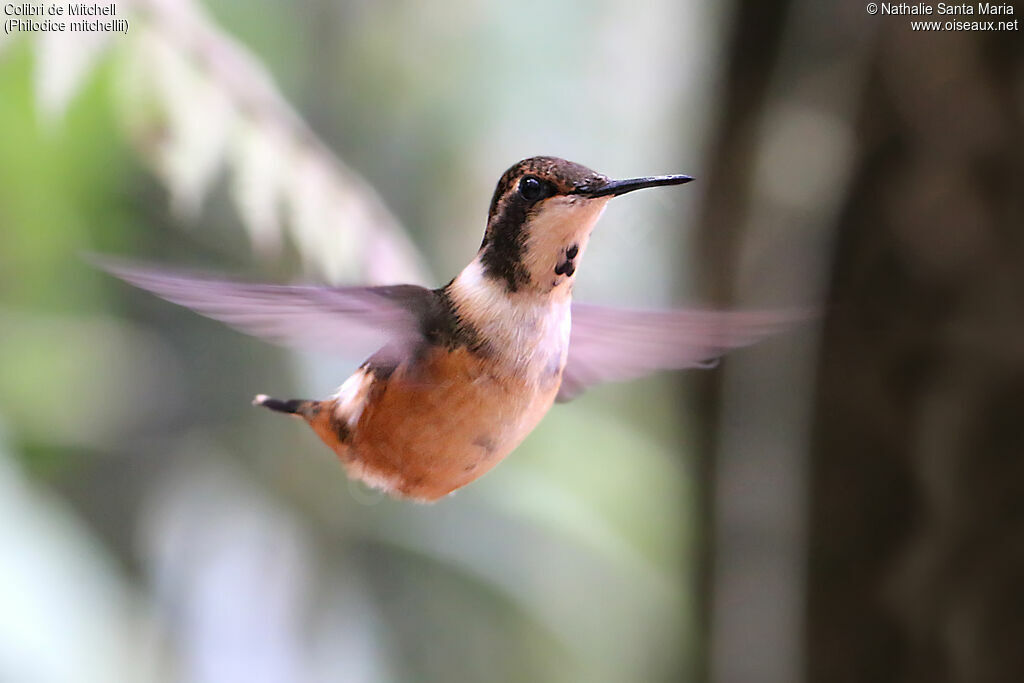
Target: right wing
{"points": [[616, 344], [341, 320]]}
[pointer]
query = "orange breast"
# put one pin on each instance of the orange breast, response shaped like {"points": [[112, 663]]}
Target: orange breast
{"points": [[437, 425]]}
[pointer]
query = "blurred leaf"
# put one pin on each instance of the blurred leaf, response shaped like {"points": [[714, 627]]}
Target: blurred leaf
{"points": [[195, 102], [259, 183], [185, 135], [63, 62]]}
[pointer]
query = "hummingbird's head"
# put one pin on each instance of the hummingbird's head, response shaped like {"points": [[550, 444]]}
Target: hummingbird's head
{"points": [[540, 220]]}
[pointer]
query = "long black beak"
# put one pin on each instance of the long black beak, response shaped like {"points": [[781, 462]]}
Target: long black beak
{"points": [[613, 188]]}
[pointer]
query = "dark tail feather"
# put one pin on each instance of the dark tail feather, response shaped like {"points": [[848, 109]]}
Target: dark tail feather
{"points": [[295, 406]]}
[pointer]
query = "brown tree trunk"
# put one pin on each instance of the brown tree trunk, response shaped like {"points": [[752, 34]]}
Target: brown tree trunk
{"points": [[917, 518], [915, 530]]}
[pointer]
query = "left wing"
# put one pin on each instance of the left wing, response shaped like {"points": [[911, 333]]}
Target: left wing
{"points": [[345, 320], [615, 344]]}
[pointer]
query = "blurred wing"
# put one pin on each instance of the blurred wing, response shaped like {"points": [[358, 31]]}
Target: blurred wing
{"points": [[342, 320], [615, 344]]}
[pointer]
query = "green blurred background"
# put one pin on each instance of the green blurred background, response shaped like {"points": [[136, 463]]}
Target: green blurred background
{"points": [[164, 529], [838, 504]]}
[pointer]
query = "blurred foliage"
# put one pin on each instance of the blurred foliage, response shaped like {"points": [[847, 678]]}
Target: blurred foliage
{"points": [[52, 200], [235, 539]]}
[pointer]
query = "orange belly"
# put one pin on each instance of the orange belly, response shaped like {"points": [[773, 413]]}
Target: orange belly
{"points": [[435, 426]]}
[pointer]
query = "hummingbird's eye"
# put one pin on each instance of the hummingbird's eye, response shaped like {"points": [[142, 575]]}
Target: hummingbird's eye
{"points": [[532, 188]]}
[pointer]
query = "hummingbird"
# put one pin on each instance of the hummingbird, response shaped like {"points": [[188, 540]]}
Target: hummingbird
{"points": [[466, 371]]}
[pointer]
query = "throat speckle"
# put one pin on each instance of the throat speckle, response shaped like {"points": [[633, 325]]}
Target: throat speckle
{"points": [[567, 265]]}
